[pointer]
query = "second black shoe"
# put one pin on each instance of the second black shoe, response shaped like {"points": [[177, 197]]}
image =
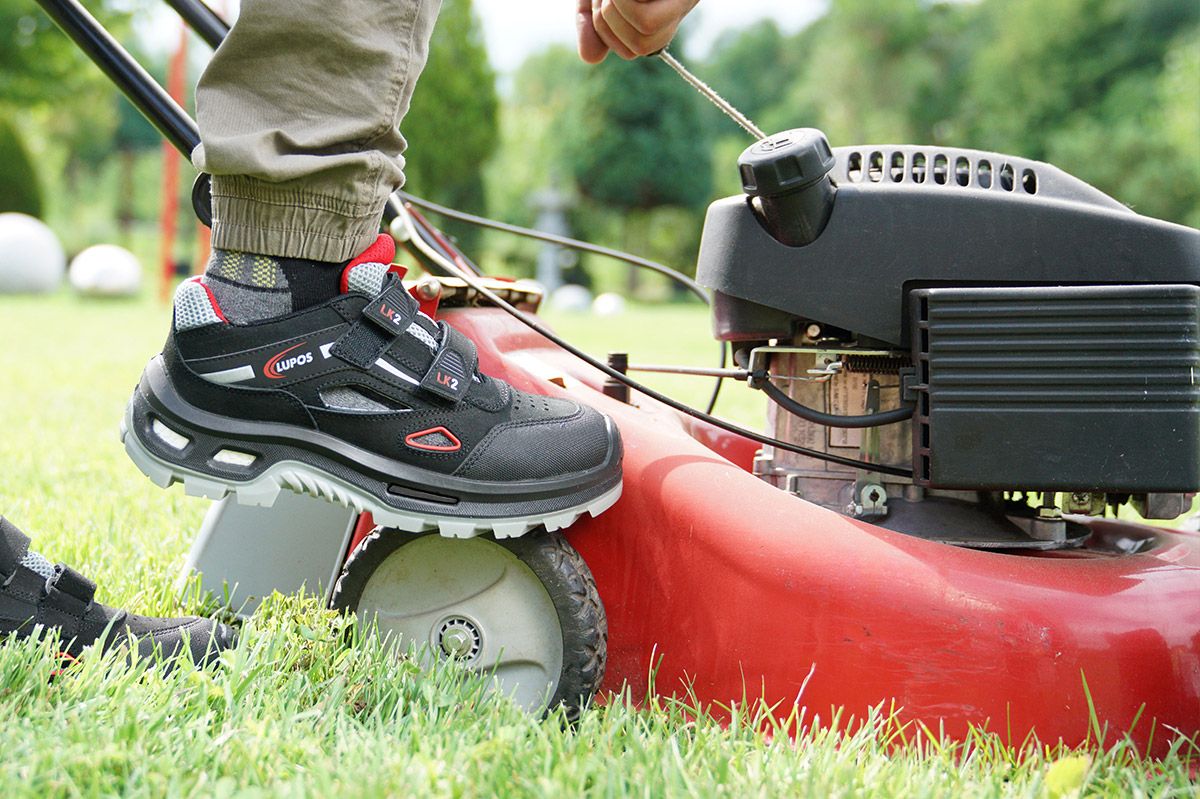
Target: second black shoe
{"points": [[366, 402], [38, 598]]}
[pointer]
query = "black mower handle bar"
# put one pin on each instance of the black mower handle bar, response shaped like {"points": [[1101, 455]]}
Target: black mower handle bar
{"points": [[136, 84]]}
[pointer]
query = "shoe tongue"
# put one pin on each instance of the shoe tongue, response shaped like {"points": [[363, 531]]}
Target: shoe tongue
{"points": [[367, 272]]}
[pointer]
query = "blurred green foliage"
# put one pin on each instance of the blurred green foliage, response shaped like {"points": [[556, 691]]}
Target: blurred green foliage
{"points": [[45, 91], [19, 187], [452, 125], [1107, 89], [636, 141]]}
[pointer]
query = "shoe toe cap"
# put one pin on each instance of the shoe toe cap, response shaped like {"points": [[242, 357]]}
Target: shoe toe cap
{"points": [[205, 639], [573, 438]]}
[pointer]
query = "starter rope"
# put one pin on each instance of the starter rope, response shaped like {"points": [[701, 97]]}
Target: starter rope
{"points": [[711, 95]]}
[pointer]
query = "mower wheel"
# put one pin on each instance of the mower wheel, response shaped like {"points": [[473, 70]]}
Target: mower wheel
{"points": [[523, 610]]}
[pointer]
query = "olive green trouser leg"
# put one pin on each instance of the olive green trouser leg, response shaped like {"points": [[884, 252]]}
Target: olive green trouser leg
{"points": [[299, 115]]}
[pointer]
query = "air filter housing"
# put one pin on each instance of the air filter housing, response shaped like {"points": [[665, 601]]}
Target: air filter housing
{"points": [[1084, 388]]}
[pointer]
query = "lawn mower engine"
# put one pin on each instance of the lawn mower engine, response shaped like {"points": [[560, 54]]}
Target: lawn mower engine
{"points": [[1022, 342]]}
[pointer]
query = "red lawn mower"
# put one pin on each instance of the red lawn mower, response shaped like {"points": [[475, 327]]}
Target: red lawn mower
{"points": [[974, 360]]}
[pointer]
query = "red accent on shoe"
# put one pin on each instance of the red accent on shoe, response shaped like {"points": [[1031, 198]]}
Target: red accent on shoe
{"points": [[70, 661], [199, 280], [454, 446], [383, 251], [270, 368]]}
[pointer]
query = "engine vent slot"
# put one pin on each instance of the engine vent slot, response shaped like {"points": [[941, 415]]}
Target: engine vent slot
{"points": [[1029, 181], [918, 168], [983, 174], [1006, 177], [875, 167], [854, 167]]}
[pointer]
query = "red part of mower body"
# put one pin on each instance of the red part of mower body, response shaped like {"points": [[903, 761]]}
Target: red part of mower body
{"points": [[735, 590]]}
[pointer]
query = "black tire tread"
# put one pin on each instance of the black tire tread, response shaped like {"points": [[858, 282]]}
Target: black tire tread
{"points": [[580, 613]]}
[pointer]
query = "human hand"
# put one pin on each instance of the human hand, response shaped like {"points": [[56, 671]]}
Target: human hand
{"points": [[629, 28]]}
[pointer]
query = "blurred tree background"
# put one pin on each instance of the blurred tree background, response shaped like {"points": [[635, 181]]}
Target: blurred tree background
{"points": [[1109, 90], [452, 125]]}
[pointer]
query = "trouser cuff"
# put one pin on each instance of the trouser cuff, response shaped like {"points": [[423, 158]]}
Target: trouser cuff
{"points": [[272, 219]]}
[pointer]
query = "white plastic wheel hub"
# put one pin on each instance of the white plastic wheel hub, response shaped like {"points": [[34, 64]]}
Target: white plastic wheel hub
{"points": [[473, 601]]}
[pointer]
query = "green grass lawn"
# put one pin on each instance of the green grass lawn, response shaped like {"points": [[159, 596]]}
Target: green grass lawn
{"points": [[296, 711]]}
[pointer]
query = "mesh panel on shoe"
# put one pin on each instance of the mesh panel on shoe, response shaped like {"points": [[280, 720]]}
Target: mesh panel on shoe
{"points": [[422, 335], [434, 439], [347, 398], [37, 563], [367, 278], [539, 450], [193, 306]]}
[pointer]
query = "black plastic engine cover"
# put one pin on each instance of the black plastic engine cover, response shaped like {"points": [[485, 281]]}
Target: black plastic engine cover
{"points": [[1088, 388], [909, 216]]}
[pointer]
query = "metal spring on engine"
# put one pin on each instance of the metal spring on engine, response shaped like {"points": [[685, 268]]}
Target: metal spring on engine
{"points": [[874, 364]]}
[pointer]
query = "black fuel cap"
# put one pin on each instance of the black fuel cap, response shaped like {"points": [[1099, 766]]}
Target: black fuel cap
{"points": [[785, 162]]}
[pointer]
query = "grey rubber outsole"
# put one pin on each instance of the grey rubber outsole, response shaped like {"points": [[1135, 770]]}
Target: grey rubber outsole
{"points": [[304, 479]]}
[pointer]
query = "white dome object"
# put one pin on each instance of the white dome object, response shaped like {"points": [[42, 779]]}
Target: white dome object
{"points": [[608, 304], [31, 257], [106, 270], [571, 299]]}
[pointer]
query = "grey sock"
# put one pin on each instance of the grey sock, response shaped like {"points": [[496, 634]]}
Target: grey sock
{"points": [[248, 287], [251, 287]]}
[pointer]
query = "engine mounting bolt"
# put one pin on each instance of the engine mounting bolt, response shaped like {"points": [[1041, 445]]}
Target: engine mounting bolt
{"points": [[1049, 512], [429, 289]]}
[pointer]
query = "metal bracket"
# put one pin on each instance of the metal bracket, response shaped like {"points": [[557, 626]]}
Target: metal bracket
{"points": [[829, 363]]}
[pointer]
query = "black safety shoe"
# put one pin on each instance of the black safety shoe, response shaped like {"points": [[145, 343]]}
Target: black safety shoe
{"points": [[369, 403], [39, 599]]}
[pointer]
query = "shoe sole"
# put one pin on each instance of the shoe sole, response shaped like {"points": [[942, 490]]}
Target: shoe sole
{"points": [[150, 446]]}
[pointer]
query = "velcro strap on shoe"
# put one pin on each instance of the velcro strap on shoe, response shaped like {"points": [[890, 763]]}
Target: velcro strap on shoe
{"points": [[69, 591], [394, 309], [449, 376], [71, 582], [384, 318], [13, 546]]}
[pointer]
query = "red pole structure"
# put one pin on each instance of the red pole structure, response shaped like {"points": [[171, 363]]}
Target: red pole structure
{"points": [[176, 77]]}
